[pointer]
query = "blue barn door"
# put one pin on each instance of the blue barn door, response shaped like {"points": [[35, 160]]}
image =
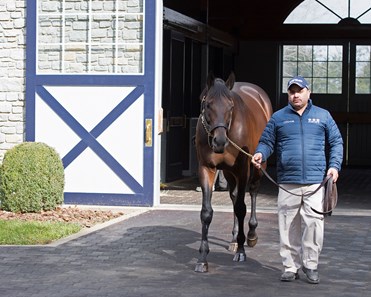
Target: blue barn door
{"points": [[90, 91]]}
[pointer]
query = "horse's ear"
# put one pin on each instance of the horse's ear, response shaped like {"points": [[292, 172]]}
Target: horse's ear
{"points": [[210, 80], [230, 81]]}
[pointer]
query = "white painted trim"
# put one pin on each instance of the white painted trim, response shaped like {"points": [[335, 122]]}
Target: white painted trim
{"points": [[158, 102]]}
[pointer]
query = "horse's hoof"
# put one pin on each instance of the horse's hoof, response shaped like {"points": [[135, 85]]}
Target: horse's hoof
{"points": [[252, 242], [239, 257], [233, 247], [202, 267]]}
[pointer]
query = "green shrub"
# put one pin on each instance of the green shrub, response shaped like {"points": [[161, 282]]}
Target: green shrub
{"points": [[31, 178]]}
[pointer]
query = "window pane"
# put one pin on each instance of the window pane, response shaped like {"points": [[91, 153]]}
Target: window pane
{"points": [[319, 14], [320, 53], [305, 53], [73, 6], [319, 85], [50, 6], [362, 86], [335, 53], [128, 7], [289, 68], [103, 5], [76, 59], [130, 29], [130, 59], [290, 53], [358, 7], [49, 59], [363, 69], [102, 59], [363, 53], [334, 69], [320, 69], [321, 64], [305, 69], [329, 11], [103, 28], [334, 86], [366, 18], [363, 73], [50, 29], [76, 29], [92, 36]]}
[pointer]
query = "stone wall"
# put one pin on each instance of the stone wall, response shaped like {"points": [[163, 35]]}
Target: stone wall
{"points": [[90, 37], [107, 51], [12, 73]]}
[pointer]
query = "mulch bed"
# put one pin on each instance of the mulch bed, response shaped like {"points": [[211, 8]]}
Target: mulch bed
{"points": [[85, 217]]}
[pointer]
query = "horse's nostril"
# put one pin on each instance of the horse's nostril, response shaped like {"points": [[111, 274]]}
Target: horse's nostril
{"points": [[219, 143], [218, 149]]}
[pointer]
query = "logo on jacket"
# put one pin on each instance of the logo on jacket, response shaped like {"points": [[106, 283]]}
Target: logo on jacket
{"points": [[313, 121]]}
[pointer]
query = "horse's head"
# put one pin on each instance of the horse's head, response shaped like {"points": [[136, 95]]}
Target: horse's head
{"points": [[216, 111]]}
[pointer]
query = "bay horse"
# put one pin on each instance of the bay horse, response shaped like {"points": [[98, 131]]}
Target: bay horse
{"points": [[231, 113]]}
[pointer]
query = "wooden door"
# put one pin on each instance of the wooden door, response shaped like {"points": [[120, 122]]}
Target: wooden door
{"points": [[90, 94]]}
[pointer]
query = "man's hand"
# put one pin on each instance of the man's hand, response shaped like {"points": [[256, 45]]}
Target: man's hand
{"points": [[334, 173], [257, 160]]}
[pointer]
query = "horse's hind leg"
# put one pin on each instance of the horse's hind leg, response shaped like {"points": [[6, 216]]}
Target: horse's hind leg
{"points": [[206, 176], [233, 244], [252, 237], [239, 208], [237, 194]]}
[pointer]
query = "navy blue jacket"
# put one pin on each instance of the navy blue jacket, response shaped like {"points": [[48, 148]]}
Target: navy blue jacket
{"points": [[300, 144]]}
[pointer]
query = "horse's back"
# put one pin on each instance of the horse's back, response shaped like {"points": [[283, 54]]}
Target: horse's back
{"points": [[255, 97], [257, 111]]}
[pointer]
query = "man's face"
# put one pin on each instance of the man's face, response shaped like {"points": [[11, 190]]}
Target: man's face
{"points": [[298, 97]]}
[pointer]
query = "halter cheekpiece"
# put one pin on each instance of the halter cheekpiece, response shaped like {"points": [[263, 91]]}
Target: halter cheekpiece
{"points": [[209, 128]]}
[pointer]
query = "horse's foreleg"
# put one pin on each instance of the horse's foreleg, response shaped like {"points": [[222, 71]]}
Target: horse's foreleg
{"points": [[207, 180], [206, 217], [252, 237]]}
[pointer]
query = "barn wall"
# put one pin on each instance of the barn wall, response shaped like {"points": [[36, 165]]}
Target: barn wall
{"points": [[257, 63], [12, 74]]}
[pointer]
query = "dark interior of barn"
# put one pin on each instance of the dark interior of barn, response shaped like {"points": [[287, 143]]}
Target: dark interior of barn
{"points": [[248, 38]]}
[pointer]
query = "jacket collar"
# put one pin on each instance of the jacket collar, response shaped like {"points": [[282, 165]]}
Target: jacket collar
{"points": [[309, 106]]}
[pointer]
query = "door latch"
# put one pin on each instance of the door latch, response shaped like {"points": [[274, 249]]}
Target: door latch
{"points": [[148, 141]]}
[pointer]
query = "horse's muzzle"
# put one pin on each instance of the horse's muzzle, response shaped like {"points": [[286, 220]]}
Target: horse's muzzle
{"points": [[219, 140]]}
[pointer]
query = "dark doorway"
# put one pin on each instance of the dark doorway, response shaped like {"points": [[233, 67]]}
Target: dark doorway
{"points": [[180, 100]]}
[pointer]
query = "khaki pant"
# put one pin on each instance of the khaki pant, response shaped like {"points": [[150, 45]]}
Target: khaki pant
{"points": [[301, 229]]}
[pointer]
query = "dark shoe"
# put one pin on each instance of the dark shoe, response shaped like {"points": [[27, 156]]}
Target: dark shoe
{"points": [[312, 275], [289, 276], [221, 189]]}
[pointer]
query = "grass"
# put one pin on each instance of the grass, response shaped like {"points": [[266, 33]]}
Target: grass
{"points": [[17, 232]]}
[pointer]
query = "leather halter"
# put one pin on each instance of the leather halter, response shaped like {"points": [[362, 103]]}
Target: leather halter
{"points": [[210, 128]]}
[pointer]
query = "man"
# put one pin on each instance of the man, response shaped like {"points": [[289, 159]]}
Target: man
{"points": [[299, 134]]}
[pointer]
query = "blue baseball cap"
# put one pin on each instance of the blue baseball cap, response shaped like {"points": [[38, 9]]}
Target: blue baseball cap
{"points": [[298, 80]]}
